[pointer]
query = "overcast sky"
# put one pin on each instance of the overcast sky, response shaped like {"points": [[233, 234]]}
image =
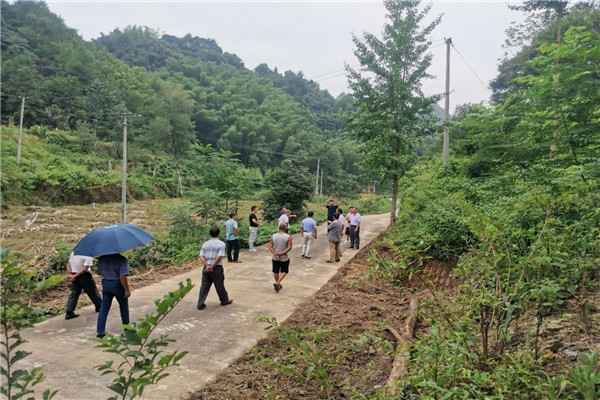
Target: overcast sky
{"points": [[313, 37]]}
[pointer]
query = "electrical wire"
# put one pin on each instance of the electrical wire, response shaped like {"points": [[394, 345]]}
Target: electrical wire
{"points": [[472, 70], [248, 147]]}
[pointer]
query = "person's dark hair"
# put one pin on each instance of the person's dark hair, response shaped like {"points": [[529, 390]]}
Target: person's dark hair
{"points": [[252, 208], [214, 231], [340, 211], [233, 214], [282, 207], [336, 215], [283, 227], [310, 213]]}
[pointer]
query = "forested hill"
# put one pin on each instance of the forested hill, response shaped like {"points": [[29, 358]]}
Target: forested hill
{"points": [[184, 89]]}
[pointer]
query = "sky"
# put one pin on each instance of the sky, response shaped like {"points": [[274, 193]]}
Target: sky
{"points": [[314, 37]]}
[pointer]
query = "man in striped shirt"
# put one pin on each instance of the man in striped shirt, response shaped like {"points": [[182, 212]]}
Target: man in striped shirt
{"points": [[211, 255]]}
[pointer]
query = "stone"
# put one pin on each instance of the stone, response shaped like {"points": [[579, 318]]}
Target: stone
{"points": [[571, 354]]}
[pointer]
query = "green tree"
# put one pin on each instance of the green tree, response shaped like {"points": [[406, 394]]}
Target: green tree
{"points": [[392, 111], [289, 185]]}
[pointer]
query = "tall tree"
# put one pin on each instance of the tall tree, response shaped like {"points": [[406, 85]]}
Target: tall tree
{"points": [[392, 113]]}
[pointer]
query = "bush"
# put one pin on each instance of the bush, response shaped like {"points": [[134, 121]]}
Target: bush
{"points": [[289, 185]]}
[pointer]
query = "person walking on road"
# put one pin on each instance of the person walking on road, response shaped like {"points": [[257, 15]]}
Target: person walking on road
{"points": [[331, 209], [231, 235], [114, 271], [80, 277], [254, 224], [355, 229], [211, 256], [279, 245], [334, 235], [309, 233]]}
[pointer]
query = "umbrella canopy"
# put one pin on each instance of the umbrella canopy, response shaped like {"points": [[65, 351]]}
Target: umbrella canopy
{"points": [[112, 239]]}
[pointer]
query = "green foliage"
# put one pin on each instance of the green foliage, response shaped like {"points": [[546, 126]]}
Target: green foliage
{"points": [[306, 360], [290, 186], [142, 359], [15, 315], [517, 210], [586, 377], [58, 262]]}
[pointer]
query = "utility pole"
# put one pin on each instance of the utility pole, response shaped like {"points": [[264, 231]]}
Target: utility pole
{"points": [[446, 152], [180, 185], [124, 174], [124, 167], [20, 129], [321, 181], [317, 180]]}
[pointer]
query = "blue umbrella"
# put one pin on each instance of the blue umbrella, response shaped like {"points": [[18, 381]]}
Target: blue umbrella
{"points": [[112, 239]]}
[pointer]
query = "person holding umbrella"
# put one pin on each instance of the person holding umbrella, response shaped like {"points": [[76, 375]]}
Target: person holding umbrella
{"points": [[107, 243], [113, 268]]}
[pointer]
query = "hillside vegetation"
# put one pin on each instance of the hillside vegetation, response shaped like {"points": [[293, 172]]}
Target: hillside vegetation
{"points": [[184, 91]]}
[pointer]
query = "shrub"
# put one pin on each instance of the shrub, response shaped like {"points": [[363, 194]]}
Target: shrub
{"points": [[289, 185]]}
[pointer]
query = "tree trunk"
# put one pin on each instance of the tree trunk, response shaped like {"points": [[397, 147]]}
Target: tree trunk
{"points": [[403, 338], [394, 201], [553, 146]]}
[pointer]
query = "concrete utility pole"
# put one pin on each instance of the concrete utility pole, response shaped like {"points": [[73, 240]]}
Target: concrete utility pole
{"points": [[317, 180], [446, 152], [180, 185], [20, 129], [124, 174], [321, 181]]}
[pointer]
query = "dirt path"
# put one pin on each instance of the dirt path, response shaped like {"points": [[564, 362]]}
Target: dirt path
{"points": [[215, 337]]}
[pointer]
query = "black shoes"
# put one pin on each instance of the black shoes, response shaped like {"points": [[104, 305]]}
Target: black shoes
{"points": [[307, 257], [71, 316], [228, 302], [338, 260], [201, 306], [330, 261]]}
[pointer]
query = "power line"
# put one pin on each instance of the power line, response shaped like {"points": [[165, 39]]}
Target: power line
{"points": [[247, 147], [333, 76], [329, 73], [472, 70]]}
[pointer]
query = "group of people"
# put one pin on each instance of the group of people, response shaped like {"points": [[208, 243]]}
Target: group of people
{"points": [[114, 271]]}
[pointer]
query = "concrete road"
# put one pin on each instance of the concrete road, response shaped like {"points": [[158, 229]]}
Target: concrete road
{"points": [[215, 337]]}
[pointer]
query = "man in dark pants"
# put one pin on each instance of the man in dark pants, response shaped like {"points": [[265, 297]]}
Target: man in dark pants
{"points": [[114, 271], [211, 254], [81, 279], [354, 229], [231, 235]]}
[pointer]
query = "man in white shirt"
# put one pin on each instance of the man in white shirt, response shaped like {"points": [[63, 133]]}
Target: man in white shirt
{"points": [[309, 234], [211, 256], [354, 229], [80, 277], [285, 218]]}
